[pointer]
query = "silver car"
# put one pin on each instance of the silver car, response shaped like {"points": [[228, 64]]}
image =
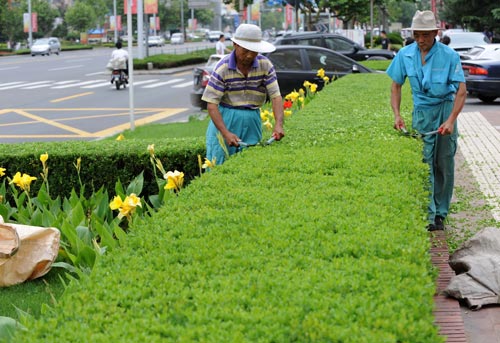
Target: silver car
{"points": [[46, 46]]}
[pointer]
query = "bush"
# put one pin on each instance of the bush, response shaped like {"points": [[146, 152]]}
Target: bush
{"points": [[318, 238]]}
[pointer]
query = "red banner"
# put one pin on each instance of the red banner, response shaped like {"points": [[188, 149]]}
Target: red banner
{"points": [[289, 14], [34, 22], [151, 6], [133, 5]]}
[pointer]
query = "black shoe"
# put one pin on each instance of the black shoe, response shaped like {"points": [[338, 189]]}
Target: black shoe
{"points": [[439, 223], [431, 227]]}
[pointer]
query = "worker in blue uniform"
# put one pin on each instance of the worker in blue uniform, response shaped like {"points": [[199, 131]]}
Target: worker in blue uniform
{"points": [[438, 92]]}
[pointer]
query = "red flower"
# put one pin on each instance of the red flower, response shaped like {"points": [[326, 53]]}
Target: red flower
{"points": [[287, 104]]}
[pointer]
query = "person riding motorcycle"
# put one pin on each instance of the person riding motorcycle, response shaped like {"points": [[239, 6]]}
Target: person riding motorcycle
{"points": [[119, 59]]}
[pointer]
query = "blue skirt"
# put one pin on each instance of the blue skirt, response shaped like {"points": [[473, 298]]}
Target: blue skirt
{"points": [[246, 124]]}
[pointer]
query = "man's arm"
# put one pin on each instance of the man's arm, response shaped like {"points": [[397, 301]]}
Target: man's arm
{"points": [[214, 113], [396, 105], [277, 104], [448, 126]]}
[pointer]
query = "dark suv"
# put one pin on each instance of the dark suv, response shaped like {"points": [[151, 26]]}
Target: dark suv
{"points": [[335, 42]]}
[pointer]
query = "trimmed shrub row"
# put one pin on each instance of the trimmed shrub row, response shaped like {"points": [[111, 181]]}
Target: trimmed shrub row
{"points": [[317, 238]]}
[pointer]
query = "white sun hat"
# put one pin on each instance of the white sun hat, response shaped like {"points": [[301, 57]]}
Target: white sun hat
{"points": [[424, 21], [249, 36]]}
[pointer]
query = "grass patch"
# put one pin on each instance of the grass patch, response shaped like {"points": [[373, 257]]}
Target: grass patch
{"points": [[195, 127]]}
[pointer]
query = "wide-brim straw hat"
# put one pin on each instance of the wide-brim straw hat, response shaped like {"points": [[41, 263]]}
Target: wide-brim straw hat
{"points": [[424, 21], [249, 36]]}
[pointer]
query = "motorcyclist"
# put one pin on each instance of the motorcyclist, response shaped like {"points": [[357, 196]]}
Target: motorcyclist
{"points": [[119, 57]]}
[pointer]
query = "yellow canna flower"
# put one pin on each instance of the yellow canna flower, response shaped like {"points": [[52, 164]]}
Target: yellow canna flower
{"points": [[292, 96], [287, 113], [268, 125], [120, 137], [208, 163], [313, 87], [116, 203], [133, 200], [44, 158], [22, 181], [302, 92], [2, 171], [264, 115], [326, 79], [151, 149], [78, 164], [306, 84], [321, 72], [174, 180]]}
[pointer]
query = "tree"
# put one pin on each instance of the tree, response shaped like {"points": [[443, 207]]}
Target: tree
{"points": [[45, 16], [80, 16], [474, 15], [11, 22]]}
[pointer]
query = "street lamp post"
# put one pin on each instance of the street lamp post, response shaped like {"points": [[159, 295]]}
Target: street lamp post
{"points": [[30, 27], [116, 22]]}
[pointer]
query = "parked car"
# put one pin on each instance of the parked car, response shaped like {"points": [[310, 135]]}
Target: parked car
{"points": [[486, 51], [335, 42], [46, 46], [293, 64], [213, 36], [177, 38], [156, 41], [463, 41], [482, 78], [200, 80]]}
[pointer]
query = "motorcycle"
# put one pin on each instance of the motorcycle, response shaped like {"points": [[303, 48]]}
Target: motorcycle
{"points": [[118, 75]]}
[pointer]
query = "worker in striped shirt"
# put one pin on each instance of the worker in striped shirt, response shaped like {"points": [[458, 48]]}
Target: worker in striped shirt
{"points": [[238, 87]]}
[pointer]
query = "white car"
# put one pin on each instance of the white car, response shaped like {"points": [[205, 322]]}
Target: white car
{"points": [[177, 38], [486, 51], [463, 41], [156, 41], [46, 46]]}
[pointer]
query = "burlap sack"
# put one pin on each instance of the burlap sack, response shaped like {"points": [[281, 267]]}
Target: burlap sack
{"points": [[26, 252]]}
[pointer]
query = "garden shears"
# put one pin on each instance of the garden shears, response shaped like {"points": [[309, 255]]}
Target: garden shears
{"points": [[246, 145], [418, 134]]}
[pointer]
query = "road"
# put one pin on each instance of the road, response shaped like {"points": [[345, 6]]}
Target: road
{"points": [[65, 97]]}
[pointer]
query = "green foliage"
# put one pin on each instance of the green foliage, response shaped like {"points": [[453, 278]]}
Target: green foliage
{"points": [[81, 16], [162, 61], [317, 238], [103, 162]]}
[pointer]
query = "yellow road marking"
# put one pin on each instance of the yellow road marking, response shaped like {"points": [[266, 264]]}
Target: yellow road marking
{"points": [[71, 97], [53, 123], [158, 114], [183, 73], [149, 119]]}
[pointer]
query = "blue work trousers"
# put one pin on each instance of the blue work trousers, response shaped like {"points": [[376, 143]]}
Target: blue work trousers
{"points": [[246, 124], [439, 153]]}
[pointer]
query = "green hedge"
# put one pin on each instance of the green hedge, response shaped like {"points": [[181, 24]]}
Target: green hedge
{"points": [[317, 238], [102, 162]]}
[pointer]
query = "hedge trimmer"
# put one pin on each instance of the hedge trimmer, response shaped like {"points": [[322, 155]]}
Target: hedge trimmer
{"points": [[418, 134]]}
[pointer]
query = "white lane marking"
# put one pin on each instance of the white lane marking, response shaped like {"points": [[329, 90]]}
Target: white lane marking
{"points": [[25, 84], [159, 84], [104, 84], [10, 83], [78, 84], [9, 68], [64, 68], [98, 73], [65, 82], [183, 85], [136, 83]]}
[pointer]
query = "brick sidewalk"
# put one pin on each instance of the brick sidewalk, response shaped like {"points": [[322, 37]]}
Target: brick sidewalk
{"points": [[447, 311]]}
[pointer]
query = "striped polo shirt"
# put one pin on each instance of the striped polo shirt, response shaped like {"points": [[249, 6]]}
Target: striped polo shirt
{"points": [[228, 87]]}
